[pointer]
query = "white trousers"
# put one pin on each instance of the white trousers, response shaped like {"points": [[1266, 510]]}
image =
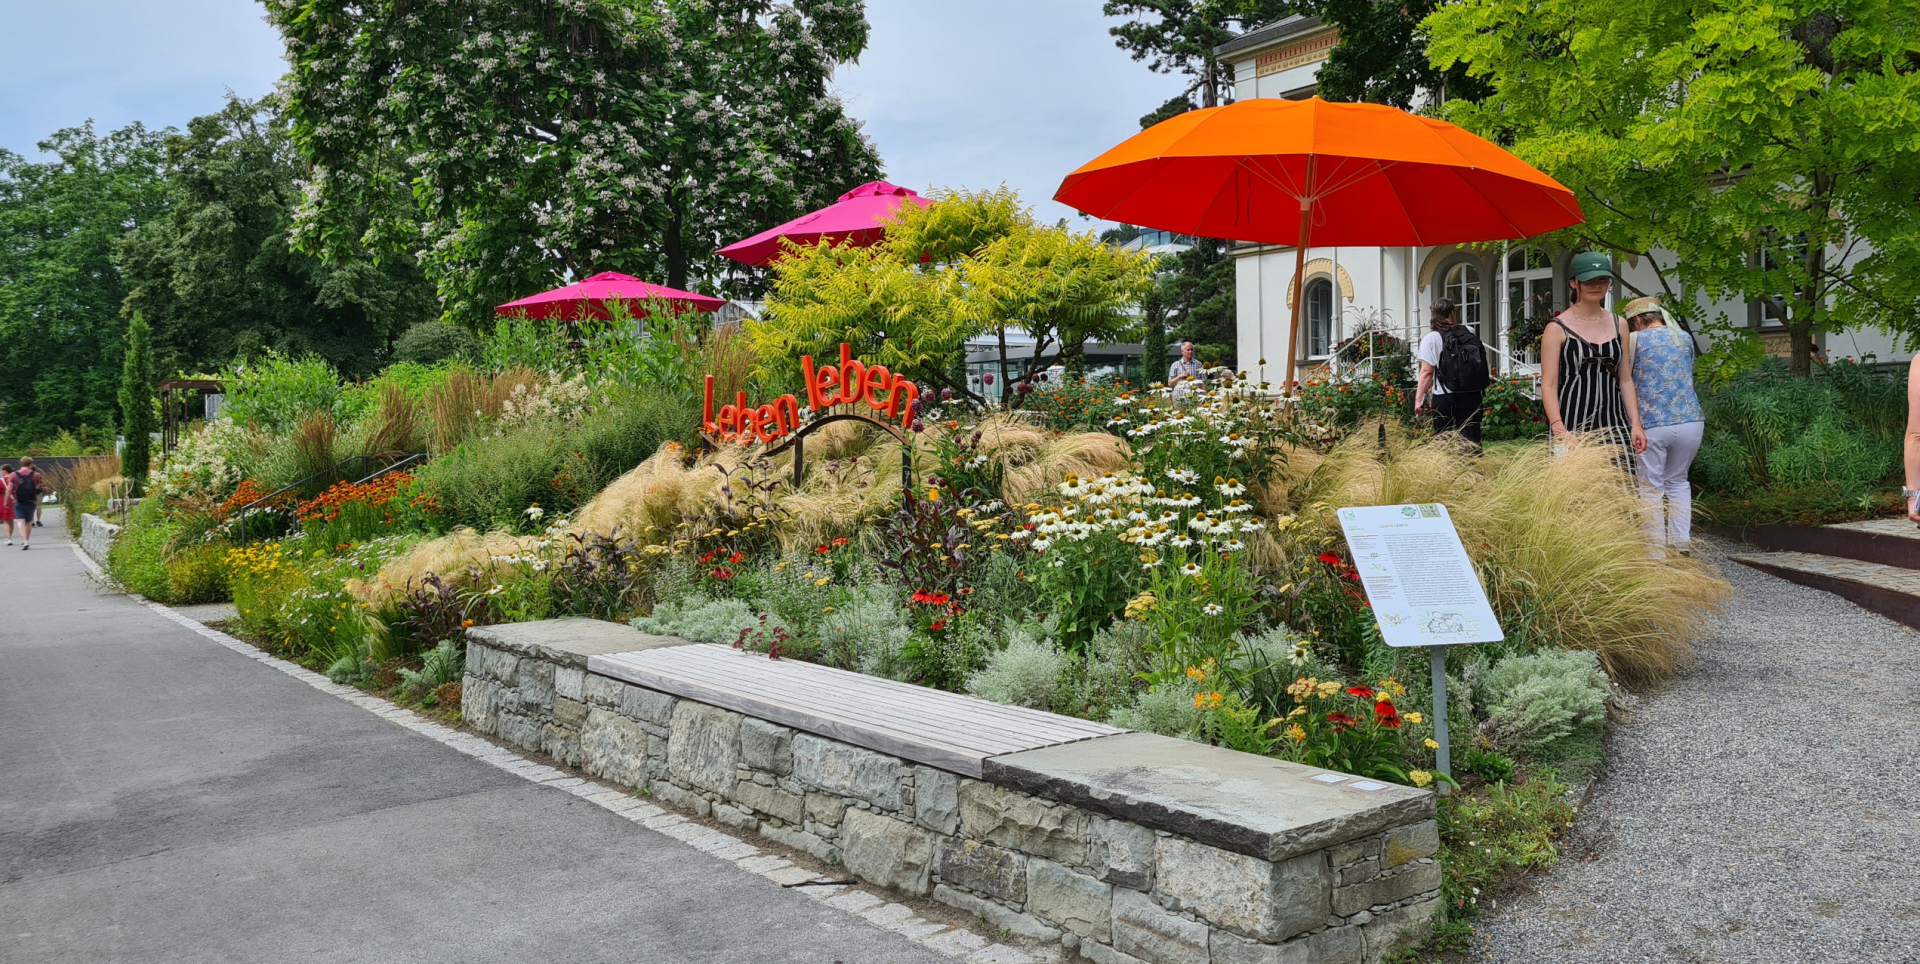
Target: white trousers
{"points": [[1663, 481]]}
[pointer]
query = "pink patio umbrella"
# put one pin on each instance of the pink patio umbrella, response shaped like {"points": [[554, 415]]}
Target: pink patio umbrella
{"points": [[859, 217], [588, 299]]}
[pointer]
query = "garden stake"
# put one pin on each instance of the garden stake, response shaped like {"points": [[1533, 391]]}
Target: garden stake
{"points": [[1438, 654]]}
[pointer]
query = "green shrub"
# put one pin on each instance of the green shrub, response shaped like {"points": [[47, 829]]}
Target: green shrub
{"points": [[198, 574], [138, 559], [1026, 673], [442, 664], [1168, 709], [700, 619], [1829, 453], [1511, 413], [868, 630], [276, 392], [1067, 403], [1801, 449], [434, 341], [1533, 701]]}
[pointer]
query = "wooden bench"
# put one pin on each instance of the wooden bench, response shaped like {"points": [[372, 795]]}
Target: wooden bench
{"points": [[940, 729]]}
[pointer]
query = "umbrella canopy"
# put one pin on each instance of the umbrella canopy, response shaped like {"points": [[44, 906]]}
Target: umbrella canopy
{"points": [[588, 298], [1306, 172], [1373, 174], [859, 218]]}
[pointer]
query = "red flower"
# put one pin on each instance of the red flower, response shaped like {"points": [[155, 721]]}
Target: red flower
{"points": [[1386, 714], [823, 550], [1329, 558], [721, 572], [840, 541], [938, 625], [1340, 720], [737, 558], [1360, 691], [708, 557]]}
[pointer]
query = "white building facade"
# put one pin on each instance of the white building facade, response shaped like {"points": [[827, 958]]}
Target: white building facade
{"points": [[1353, 289]]}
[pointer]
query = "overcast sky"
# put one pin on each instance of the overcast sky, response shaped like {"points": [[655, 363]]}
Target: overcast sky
{"points": [[955, 94]]}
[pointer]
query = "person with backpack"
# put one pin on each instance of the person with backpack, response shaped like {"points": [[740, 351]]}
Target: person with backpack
{"points": [[27, 485], [1453, 367]]}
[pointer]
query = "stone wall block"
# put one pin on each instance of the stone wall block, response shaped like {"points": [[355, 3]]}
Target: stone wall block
{"points": [[570, 682], [705, 747], [560, 742], [1144, 929], [799, 840], [602, 690], [1024, 823], [1358, 872], [766, 746], [1335, 945], [1261, 899], [984, 868], [1342, 854], [1410, 843], [656, 756], [568, 712], [496, 664], [774, 803], [647, 706], [518, 730], [1012, 921], [1397, 925], [936, 799], [825, 808], [536, 685], [887, 852], [1408, 881], [480, 702], [1074, 901], [847, 770], [613, 747], [1121, 852]]}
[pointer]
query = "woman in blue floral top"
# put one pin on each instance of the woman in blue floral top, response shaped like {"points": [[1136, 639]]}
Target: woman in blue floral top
{"points": [[1660, 356]]}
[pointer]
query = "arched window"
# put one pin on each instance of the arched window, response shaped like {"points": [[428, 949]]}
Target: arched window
{"points": [[1529, 287], [1319, 318], [1462, 287]]}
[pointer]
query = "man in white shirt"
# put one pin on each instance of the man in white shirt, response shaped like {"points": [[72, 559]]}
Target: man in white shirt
{"points": [[1185, 373]]}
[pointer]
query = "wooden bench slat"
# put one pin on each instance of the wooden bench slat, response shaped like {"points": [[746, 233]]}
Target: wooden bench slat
{"points": [[946, 730]]}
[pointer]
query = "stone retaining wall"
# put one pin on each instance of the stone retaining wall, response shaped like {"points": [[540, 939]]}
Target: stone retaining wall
{"points": [[1126, 859], [96, 537]]}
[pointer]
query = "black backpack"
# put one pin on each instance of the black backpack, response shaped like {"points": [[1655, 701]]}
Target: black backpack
{"points": [[1463, 361], [26, 488]]}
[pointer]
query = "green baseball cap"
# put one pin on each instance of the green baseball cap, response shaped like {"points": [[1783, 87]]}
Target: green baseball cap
{"points": [[1588, 265]]}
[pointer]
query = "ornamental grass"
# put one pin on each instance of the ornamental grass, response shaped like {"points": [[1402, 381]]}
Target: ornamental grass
{"points": [[1558, 540], [449, 556]]}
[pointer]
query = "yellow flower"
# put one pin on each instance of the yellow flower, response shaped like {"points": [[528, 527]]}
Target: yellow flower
{"points": [[1420, 778], [1208, 701], [1431, 745], [1329, 688], [933, 495], [1414, 717], [1296, 734], [1298, 712], [826, 609], [823, 580], [1139, 606], [1195, 672]]}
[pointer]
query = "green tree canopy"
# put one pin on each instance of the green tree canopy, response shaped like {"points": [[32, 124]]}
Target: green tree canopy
{"points": [[551, 140], [136, 400], [216, 278], [969, 264], [61, 331], [1178, 37], [1772, 145]]}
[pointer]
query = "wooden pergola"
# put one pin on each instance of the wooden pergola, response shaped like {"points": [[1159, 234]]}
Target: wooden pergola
{"points": [[177, 398]]}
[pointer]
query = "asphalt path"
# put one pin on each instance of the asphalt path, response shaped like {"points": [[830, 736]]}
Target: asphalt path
{"points": [[165, 799]]}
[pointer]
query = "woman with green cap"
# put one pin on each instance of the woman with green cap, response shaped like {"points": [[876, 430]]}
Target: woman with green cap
{"points": [[1582, 382]]}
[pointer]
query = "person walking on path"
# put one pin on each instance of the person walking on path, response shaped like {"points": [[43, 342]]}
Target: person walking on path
{"points": [[1184, 373], [1911, 490], [27, 484], [1660, 357], [1583, 383], [1453, 366], [6, 501]]}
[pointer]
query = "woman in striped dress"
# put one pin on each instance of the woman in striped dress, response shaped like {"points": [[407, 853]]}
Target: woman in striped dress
{"points": [[1583, 384]]}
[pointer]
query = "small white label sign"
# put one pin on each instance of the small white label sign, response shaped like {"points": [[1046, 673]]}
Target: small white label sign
{"points": [[1423, 588]]}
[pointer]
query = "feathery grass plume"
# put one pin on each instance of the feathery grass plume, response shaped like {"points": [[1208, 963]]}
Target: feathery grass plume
{"points": [[467, 399], [313, 442], [395, 425], [1558, 540], [449, 556], [728, 354]]}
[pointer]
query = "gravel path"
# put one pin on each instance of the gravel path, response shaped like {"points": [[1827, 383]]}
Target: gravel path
{"points": [[1764, 807]]}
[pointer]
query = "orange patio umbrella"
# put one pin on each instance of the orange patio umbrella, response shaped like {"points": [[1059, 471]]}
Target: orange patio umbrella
{"points": [[1302, 172]]}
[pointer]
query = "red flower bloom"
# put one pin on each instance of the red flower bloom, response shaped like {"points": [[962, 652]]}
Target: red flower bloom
{"points": [[823, 550], [1360, 691], [840, 541], [1340, 720], [737, 558], [721, 572], [1329, 558], [1386, 714], [938, 625]]}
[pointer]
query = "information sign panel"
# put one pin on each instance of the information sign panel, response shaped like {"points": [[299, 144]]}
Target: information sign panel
{"points": [[1422, 586]]}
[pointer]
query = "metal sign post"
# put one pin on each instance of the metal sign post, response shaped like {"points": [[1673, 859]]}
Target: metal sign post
{"points": [[1423, 589]]}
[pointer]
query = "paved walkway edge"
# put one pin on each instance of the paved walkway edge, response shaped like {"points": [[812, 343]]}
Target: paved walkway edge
{"points": [[874, 908]]}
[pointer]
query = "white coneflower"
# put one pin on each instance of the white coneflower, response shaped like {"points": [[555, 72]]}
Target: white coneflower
{"points": [[1182, 541], [1233, 545], [1213, 609], [1190, 569]]}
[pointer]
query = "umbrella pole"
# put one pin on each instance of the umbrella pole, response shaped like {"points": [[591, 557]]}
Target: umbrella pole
{"points": [[1299, 291]]}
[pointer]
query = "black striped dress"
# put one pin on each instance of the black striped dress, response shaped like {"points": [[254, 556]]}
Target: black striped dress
{"points": [[1590, 389]]}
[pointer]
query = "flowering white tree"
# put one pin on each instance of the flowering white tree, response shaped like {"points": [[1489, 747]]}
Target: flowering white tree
{"points": [[566, 137]]}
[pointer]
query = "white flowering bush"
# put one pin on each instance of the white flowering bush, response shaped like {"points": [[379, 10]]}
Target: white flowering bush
{"points": [[209, 462]]}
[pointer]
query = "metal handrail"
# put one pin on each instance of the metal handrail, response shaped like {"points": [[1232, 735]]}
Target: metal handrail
{"points": [[333, 472]]}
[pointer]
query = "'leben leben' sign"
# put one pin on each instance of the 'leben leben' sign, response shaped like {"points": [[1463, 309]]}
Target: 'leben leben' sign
{"points": [[850, 382]]}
